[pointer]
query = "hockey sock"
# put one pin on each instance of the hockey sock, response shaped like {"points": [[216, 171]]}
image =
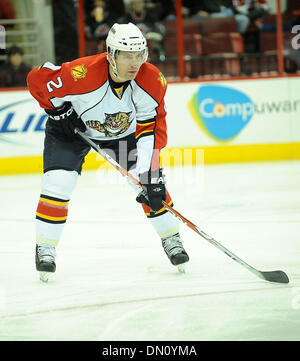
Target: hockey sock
{"points": [[51, 215], [163, 221], [52, 210]]}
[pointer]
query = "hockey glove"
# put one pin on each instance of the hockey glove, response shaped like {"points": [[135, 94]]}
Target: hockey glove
{"points": [[64, 120], [154, 190]]}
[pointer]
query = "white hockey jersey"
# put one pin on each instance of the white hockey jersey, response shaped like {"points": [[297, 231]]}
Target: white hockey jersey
{"points": [[108, 113]]}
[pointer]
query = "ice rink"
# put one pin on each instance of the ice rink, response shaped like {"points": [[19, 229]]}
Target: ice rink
{"points": [[113, 280]]}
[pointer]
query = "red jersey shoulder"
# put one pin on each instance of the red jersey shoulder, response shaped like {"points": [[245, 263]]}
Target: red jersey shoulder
{"points": [[152, 80], [79, 76], [86, 74]]}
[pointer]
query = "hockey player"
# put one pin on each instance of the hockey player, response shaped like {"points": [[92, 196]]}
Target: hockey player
{"points": [[117, 99]]}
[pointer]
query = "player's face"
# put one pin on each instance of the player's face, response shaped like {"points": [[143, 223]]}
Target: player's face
{"points": [[128, 64]]}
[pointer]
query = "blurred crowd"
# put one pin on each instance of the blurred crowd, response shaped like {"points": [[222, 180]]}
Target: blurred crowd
{"points": [[151, 16], [13, 72]]}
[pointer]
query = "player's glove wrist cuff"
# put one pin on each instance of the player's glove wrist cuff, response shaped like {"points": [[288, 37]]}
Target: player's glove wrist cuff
{"points": [[155, 176], [60, 113]]}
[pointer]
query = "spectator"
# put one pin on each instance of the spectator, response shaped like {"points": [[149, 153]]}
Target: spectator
{"points": [[254, 9], [145, 19], [7, 11], [216, 9], [164, 10], [115, 6], [203, 8], [102, 17], [13, 73]]}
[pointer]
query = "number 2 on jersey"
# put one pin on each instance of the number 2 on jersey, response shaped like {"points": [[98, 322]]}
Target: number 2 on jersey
{"points": [[57, 85]]}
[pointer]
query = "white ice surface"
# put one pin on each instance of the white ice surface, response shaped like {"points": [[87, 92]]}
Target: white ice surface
{"points": [[114, 282]]}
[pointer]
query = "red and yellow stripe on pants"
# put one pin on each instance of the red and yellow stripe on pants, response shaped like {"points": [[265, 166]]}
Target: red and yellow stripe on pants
{"points": [[52, 210], [151, 214]]}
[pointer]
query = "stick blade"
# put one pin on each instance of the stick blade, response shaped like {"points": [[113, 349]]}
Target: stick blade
{"points": [[275, 276]]}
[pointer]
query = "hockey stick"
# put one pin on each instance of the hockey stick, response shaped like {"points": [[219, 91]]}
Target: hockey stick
{"points": [[272, 276]]}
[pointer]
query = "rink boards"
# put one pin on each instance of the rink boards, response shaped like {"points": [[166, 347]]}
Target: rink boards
{"points": [[210, 122]]}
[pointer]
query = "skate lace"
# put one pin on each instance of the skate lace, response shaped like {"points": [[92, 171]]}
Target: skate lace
{"points": [[46, 253], [172, 245]]}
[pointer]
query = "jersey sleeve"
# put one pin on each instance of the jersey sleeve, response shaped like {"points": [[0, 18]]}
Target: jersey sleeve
{"points": [[50, 84], [151, 129]]}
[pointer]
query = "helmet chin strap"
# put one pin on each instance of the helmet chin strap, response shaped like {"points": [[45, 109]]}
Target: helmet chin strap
{"points": [[113, 64], [115, 71]]}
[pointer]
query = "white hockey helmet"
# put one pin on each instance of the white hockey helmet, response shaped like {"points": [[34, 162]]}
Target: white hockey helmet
{"points": [[126, 37]]}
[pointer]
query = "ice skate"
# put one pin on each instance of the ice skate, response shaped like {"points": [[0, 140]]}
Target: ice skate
{"points": [[176, 253], [45, 260]]}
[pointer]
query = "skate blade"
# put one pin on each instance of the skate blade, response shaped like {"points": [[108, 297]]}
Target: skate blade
{"points": [[181, 268], [44, 276]]}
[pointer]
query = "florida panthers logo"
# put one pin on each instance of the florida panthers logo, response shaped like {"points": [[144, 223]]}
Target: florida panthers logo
{"points": [[79, 72], [114, 125]]}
